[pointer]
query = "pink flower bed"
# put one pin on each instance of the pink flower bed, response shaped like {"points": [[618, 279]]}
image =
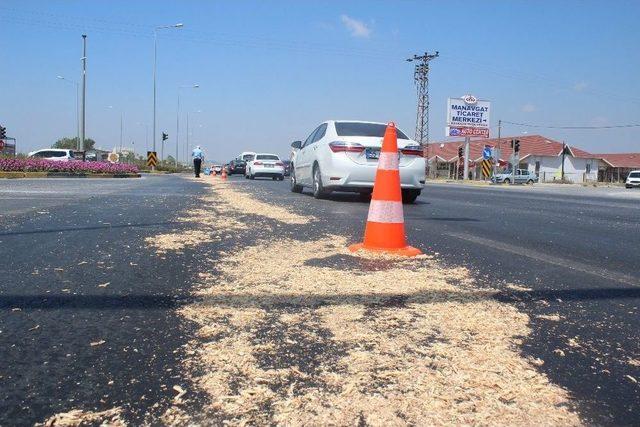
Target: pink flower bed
{"points": [[76, 166]]}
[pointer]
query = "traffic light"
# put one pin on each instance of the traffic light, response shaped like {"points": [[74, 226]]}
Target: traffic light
{"points": [[3, 132], [460, 155], [516, 145], [164, 136]]}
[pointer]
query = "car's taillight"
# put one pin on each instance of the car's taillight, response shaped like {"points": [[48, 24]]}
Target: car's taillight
{"points": [[279, 164], [257, 163], [350, 147], [412, 150]]}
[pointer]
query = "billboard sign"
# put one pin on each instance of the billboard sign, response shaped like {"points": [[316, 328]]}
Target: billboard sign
{"points": [[468, 117]]}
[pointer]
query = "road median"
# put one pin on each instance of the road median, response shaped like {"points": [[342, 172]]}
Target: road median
{"points": [[22, 175]]}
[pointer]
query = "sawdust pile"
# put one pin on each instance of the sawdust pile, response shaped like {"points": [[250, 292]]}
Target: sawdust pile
{"points": [[179, 240], [77, 417], [222, 210], [323, 342], [233, 201]]}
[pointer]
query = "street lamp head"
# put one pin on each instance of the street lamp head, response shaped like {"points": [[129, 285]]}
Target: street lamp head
{"points": [[60, 77], [178, 25], [196, 86]]}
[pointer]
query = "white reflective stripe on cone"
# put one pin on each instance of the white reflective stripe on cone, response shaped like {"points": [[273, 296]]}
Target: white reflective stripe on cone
{"points": [[388, 161], [385, 211]]}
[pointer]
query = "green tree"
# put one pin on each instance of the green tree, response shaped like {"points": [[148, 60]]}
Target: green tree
{"points": [[72, 143]]}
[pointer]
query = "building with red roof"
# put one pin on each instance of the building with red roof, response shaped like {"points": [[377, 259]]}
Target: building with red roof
{"points": [[614, 167], [537, 154]]}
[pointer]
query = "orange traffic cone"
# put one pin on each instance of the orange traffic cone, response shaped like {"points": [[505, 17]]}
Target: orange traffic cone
{"points": [[224, 174], [385, 224]]}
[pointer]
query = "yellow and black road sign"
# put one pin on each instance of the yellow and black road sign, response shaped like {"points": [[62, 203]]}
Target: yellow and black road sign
{"points": [[152, 159], [486, 168]]}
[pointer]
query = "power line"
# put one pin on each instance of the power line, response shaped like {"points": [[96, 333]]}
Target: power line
{"points": [[572, 127]]}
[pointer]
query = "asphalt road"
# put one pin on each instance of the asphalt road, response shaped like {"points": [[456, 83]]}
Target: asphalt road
{"points": [[576, 249], [76, 271]]}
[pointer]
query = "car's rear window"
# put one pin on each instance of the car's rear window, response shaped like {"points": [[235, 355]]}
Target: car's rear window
{"points": [[266, 157], [248, 157], [634, 175], [364, 129]]}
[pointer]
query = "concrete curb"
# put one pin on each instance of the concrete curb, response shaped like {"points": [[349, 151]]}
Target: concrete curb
{"points": [[21, 175]]}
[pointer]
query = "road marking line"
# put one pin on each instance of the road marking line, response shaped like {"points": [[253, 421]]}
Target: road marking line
{"points": [[549, 259]]}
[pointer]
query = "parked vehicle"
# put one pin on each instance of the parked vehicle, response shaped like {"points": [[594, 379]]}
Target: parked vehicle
{"points": [[633, 179], [343, 156], [523, 176], [216, 168], [56, 154], [237, 166], [265, 165]]}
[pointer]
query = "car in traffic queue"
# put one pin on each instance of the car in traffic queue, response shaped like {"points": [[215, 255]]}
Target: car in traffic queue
{"points": [[633, 179], [55, 154], [265, 165], [522, 176], [237, 166], [287, 167], [342, 155], [216, 169], [247, 155]]}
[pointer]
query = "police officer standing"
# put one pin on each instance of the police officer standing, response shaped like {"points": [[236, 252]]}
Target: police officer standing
{"points": [[198, 158]]}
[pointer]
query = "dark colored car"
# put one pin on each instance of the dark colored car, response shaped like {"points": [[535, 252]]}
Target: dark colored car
{"points": [[237, 166], [287, 167]]}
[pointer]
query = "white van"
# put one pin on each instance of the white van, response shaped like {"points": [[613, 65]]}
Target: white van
{"points": [[56, 154]]}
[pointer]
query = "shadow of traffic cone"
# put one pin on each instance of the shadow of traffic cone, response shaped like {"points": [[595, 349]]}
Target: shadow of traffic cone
{"points": [[385, 224]]}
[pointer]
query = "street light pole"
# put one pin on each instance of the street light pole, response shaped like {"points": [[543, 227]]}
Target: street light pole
{"points": [[178, 120], [84, 90], [155, 62], [121, 120]]}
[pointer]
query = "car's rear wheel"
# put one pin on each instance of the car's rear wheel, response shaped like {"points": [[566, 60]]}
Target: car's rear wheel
{"points": [[318, 189], [294, 184], [410, 196], [530, 182]]}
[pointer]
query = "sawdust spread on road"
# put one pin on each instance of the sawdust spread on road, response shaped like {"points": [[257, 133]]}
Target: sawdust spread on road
{"points": [[305, 333], [78, 417]]}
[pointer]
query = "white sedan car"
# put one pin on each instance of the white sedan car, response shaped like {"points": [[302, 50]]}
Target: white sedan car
{"points": [[265, 165], [343, 156]]}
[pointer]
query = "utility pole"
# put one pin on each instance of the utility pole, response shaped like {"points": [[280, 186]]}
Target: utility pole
{"points": [[84, 91], [421, 78], [121, 129], [564, 149], [498, 151]]}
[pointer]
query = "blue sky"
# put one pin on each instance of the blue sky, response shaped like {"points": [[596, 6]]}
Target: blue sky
{"points": [[269, 72]]}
